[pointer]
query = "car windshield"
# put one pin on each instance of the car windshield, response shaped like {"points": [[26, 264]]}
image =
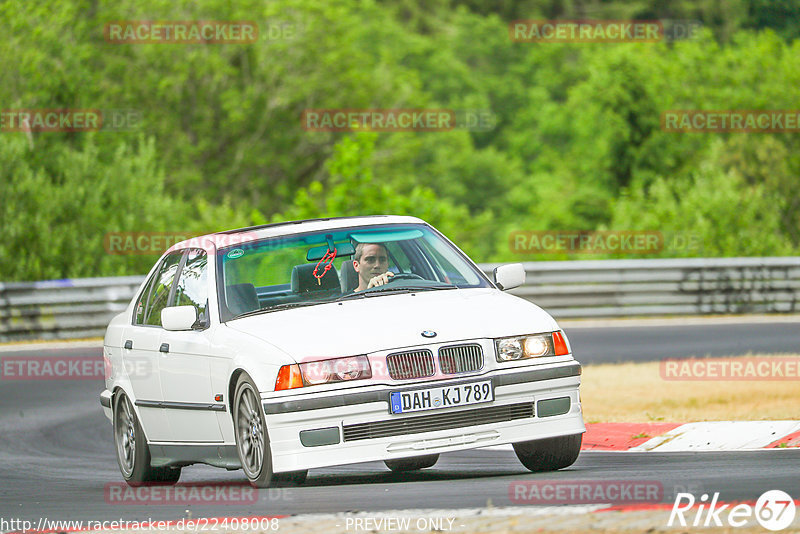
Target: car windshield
{"points": [[326, 266]]}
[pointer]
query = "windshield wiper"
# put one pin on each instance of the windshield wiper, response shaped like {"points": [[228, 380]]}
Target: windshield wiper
{"points": [[353, 296], [404, 289], [412, 288], [277, 307]]}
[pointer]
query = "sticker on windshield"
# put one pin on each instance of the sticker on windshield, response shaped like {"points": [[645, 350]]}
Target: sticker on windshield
{"points": [[235, 253]]}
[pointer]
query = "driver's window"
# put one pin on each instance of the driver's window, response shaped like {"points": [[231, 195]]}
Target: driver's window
{"points": [[159, 294], [192, 288], [141, 304], [450, 273]]}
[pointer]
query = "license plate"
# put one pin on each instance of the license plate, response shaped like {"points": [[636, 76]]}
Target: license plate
{"points": [[441, 397]]}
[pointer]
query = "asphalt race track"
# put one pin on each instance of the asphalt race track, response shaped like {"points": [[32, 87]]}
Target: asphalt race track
{"points": [[57, 455], [651, 343]]}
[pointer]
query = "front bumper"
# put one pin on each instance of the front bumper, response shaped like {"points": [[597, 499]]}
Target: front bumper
{"points": [[105, 402], [364, 429]]}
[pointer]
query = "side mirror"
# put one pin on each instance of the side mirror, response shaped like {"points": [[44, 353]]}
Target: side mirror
{"points": [[509, 276], [178, 317]]}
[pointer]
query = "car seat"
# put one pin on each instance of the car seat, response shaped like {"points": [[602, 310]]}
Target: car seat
{"points": [[349, 277], [241, 298], [304, 281]]}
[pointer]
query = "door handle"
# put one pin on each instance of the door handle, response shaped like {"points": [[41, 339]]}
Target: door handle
{"points": [[164, 347], [129, 344]]}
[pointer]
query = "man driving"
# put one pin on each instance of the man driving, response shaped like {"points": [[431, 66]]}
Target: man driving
{"points": [[371, 262]]}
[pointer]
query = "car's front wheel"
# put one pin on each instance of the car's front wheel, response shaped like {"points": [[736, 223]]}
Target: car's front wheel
{"points": [[412, 464], [549, 454], [252, 439], [133, 455]]}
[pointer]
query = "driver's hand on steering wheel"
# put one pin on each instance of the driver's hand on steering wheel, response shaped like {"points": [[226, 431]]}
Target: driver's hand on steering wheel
{"points": [[380, 279]]}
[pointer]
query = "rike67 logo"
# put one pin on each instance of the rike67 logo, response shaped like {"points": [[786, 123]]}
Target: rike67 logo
{"points": [[774, 510]]}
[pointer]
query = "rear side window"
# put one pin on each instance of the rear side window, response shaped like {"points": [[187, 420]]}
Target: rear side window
{"points": [[192, 288], [155, 297]]}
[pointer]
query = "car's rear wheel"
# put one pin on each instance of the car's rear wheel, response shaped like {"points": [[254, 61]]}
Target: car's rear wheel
{"points": [[412, 464], [549, 454], [252, 439], [133, 455]]}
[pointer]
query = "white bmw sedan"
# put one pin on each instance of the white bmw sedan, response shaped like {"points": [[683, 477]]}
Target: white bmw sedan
{"points": [[281, 348]]}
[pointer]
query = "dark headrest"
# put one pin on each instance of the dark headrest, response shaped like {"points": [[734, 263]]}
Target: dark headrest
{"points": [[241, 298], [304, 281], [349, 276]]}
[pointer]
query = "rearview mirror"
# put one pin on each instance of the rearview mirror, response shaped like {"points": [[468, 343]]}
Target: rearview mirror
{"points": [[509, 276], [178, 317], [342, 249]]}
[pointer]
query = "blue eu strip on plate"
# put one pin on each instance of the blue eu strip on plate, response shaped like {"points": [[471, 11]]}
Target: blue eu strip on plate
{"points": [[397, 405]]}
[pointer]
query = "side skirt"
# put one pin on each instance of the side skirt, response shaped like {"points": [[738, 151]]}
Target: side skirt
{"points": [[180, 455]]}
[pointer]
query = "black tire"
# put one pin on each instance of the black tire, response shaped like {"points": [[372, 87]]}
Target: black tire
{"points": [[412, 464], [291, 477], [250, 429], [549, 454], [133, 454]]}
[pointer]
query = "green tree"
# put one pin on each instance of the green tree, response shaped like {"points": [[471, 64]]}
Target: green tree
{"points": [[354, 190], [721, 211]]}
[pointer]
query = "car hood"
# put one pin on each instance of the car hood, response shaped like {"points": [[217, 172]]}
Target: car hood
{"points": [[372, 324]]}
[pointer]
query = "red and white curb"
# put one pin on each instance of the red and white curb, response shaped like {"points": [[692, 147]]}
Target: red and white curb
{"points": [[702, 436], [677, 437]]}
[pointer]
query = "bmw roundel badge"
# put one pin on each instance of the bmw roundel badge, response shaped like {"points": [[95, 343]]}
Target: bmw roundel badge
{"points": [[428, 333]]}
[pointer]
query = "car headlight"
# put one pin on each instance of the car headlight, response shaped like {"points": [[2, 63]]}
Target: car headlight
{"points": [[509, 349], [336, 370], [533, 346]]}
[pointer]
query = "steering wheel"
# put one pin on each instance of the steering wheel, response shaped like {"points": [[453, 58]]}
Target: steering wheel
{"points": [[405, 276]]}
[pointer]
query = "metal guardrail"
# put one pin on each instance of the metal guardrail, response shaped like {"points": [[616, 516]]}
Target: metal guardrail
{"points": [[687, 286], [64, 309]]}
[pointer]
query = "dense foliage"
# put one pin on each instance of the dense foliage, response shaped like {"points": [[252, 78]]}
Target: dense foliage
{"points": [[577, 143]]}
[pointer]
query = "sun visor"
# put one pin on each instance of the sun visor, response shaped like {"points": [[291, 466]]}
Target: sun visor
{"points": [[342, 249], [386, 236]]}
